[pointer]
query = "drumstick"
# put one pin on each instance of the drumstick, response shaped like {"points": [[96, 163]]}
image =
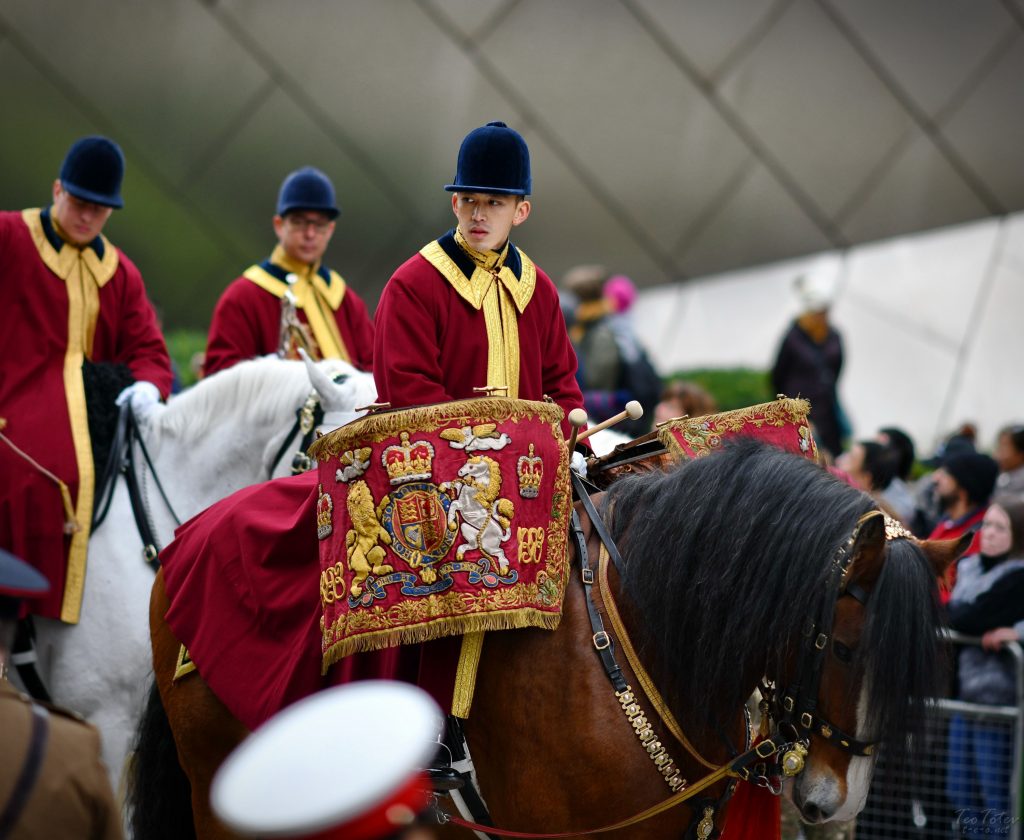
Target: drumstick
{"points": [[633, 411], [578, 418]]}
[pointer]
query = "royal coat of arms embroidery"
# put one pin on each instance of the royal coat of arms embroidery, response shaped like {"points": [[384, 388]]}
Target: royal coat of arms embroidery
{"points": [[449, 519]]}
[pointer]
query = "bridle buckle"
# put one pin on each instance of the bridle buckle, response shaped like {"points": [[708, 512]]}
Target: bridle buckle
{"points": [[602, 640]]}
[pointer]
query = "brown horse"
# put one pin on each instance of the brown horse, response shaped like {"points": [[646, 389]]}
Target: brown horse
{"points": [[745, 564]]}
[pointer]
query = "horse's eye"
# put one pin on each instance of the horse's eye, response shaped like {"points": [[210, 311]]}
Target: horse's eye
{"points": [[842, 652], [339, 378]]}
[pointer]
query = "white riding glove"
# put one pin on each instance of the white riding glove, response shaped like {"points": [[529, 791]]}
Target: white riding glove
{"points": [[578, 463], [139, 394]]}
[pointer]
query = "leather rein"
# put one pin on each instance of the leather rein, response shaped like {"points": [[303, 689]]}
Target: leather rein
{"points": [[782, 753], [122, 460]]}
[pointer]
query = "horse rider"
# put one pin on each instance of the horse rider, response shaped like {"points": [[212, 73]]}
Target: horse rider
{"points": [[302, 775], [68, 296], [292, 300], [52, 782], [470, 310]]}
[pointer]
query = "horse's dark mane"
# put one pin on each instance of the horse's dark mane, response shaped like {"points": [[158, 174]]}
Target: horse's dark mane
{"points": [[904, 605], [733, 554]]}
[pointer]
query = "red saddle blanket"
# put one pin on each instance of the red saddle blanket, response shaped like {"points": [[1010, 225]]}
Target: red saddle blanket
{"points": [[242, 579]]}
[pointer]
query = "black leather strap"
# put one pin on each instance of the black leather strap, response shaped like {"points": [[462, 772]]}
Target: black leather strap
{"points": [[29, 771], [601, 640], [23, 658], [114, 466], [597, 522]]}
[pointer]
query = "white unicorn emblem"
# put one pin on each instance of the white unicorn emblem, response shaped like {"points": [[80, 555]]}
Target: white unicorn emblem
{"points": [[486, 519]]}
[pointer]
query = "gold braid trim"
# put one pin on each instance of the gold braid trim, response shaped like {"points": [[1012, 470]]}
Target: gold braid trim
{"points": [[776, 413], [502, 296], [377, 427], [84, 274], [313, 296], [646, 683]]}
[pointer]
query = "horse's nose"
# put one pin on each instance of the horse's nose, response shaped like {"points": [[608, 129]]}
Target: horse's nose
{"points": [[813, 809]]}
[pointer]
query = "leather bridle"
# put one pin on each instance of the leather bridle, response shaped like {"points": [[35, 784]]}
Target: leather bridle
{"points": [[798, 712]]}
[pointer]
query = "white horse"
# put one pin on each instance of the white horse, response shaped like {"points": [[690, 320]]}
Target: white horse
{"points": [[215, 438]]}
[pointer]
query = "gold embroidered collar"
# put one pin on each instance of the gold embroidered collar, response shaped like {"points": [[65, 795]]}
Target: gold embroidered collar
{"points": [[64, 261], [474, 288]]}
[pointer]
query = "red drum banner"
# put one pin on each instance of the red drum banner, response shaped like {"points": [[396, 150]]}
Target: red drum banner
{"points": [[782, 423], [441, 520]]}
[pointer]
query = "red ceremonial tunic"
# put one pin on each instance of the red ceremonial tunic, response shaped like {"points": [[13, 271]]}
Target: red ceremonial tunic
{"points": [[432, 344], [247, 319], [61, 304], [243, 577]]}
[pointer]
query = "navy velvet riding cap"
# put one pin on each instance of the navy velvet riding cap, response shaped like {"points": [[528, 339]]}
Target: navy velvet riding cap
{"points": [[18, 580], [307, 189], [493, 159], [92, 171]]}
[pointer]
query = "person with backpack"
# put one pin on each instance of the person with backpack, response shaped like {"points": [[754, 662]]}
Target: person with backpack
{"points": [[613, 366]]}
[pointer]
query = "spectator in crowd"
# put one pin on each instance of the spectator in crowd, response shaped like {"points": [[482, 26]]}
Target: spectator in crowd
{"points": [[593, 339], [987, 601], [928, 509], [613, 367], [809, 361], [964, 485], [898, 494], [682, 398], [1009, 455], [291, 300], [872, 466]]}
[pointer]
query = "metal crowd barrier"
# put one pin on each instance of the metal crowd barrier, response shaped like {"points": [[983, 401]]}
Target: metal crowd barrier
{"points": [[913, 805]]}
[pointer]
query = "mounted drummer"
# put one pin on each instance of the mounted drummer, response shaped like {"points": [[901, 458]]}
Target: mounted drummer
{"points": [[292, 300], [470, 311], [69, 298]]}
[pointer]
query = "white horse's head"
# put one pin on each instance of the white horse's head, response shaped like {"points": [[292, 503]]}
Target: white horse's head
{"points": [[342, 389], [225, 432]]}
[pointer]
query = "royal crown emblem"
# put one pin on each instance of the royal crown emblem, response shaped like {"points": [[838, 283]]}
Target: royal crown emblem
{"points": [[531, 473], [408, 461], [324, 514]]}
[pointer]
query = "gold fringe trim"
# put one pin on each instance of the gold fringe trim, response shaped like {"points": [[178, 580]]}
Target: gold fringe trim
{"points": [[439, 628], [776, 413], [374, 428]]}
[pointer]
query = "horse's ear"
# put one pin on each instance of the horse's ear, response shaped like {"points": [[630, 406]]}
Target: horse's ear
{"points": [[868, 550], [332, 397], [944, 553]]}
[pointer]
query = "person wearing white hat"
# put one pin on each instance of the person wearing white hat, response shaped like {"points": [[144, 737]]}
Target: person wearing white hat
{"points": [[347, 762], [810, 358]]}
